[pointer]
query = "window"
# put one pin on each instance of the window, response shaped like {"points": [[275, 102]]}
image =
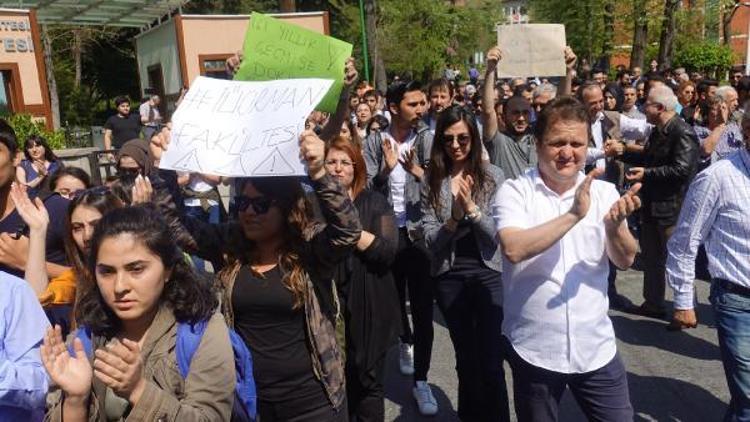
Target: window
{"points": [[214, 66], [6, 104]]}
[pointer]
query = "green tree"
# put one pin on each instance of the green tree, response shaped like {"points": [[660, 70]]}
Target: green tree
{"points": [[585, 24], [706, 57]]}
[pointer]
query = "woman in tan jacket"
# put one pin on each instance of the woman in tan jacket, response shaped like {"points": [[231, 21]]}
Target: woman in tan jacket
{"points": [[142, 288]]}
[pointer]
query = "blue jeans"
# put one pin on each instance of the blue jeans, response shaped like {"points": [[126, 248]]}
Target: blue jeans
{"points": [[733, 325], [210, 216]]}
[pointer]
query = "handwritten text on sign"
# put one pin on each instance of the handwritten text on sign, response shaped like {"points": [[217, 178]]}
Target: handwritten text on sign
{"points": [[232, 128], [275, 49], [531, 50]]}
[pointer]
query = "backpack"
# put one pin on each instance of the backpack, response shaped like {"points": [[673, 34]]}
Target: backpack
{"points": [[188, 339]]}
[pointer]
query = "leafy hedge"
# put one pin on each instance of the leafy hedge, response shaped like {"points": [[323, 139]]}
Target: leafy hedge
{"points": [[25, 126], [705, 57]]}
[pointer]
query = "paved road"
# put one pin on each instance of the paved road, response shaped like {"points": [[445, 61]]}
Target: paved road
{"points": [[673, 376]]}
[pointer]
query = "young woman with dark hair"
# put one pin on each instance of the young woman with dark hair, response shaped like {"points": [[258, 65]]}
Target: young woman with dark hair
{"points": [[368, 294], [69, 180], [57, 295], [141, 288], [278, 292], [39, 163], [466, 263]]}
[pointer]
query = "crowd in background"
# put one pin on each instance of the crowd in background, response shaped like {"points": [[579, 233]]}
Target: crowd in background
{"points": [[511, 203]]}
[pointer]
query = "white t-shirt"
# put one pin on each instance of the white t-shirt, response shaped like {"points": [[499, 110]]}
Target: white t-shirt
{"points": [[555, 304], [197, 184], [398, 177]]}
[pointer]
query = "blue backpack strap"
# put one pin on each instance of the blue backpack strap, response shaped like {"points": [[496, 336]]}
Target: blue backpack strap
{"points": [[188, 339], [83, 333], [245, 382]]}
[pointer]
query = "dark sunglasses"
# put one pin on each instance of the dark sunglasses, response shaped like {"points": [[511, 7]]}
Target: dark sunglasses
{"points": [[463, 139], [133, 172], [260, 205]]}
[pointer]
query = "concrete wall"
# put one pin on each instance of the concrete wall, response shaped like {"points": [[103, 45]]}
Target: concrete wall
{"points": [[159, 46]]}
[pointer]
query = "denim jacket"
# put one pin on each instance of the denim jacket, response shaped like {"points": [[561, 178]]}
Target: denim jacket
{"points": [[442, 242]]}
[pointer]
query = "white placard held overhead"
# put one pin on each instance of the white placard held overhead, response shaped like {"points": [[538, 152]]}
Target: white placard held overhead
{"points": [[531, 50], [242, 129]]}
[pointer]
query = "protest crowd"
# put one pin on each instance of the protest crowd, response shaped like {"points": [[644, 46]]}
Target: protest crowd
{"points": [[510, 203]]}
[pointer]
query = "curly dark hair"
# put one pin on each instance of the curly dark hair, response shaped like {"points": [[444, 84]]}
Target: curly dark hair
{"points": [[190, 296]]}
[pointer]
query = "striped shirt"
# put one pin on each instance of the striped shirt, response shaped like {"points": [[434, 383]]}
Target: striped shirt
{"points": [[715, 212]]}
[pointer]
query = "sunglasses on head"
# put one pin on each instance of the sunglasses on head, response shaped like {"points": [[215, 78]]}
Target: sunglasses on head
{"points": [[463, 139], [97, 190], [260, 205]]}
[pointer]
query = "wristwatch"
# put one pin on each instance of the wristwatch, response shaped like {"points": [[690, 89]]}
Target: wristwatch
{"points": [[474, 214]]}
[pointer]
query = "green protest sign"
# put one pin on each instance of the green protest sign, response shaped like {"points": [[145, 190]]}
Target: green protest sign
{"points": [[278, 50]]}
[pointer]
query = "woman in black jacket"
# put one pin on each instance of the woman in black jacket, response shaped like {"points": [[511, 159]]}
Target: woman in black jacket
{"points": [[366, 289]]}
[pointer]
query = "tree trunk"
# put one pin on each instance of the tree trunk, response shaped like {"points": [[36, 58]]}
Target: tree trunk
{"points": [[609, 34], [726, 22], [376, 59], [666, 39], [287, 6], [640, 34], [51, 81], [77, 48]]}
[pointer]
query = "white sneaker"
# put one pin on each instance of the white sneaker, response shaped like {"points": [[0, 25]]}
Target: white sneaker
{"points": [[425, 400], [406, 358]]}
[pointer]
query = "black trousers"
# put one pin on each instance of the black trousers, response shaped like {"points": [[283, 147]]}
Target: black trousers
{"points": [[470, 298], [412, 268], [366, 392], [654, 238]]}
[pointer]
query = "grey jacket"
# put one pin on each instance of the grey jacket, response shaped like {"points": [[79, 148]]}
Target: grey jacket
{"points": [[373, 154], [442, 242]]}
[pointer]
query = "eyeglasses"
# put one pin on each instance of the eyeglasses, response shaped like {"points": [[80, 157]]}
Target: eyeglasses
{"points": [[463, 139], [260, 205], [343, 163]]}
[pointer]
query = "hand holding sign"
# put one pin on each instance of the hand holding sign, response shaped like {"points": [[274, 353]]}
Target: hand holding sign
{"points": [[531, 50], [279, 50], [232, 128]]}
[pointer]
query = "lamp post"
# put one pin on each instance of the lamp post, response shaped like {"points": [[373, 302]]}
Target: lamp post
{"points": [[364, 40]]}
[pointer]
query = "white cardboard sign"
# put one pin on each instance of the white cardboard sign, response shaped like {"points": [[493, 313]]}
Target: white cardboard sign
{"points": [[242, 129], [531, 50]]}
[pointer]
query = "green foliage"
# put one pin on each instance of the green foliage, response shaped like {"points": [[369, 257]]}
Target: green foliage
{"points": [[25, 126], [583, 20], [705, 56], [417, 38]]}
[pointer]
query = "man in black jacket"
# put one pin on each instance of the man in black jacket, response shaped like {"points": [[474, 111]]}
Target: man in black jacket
{"points": [[665, 168]]}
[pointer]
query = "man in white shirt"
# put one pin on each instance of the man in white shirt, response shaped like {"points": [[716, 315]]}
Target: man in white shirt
{"points": [[558, 229], [150, 116], [715, 213]]}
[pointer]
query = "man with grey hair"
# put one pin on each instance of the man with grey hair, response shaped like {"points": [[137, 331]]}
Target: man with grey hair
{"points": [[542, 95], [665, 168], [729, 95], [150, 116]]}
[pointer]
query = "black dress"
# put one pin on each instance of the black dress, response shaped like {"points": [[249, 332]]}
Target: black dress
{"points": [[368, 297]]}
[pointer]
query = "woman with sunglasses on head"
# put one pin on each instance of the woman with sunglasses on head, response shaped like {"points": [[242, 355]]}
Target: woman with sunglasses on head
{"points": [[141, 292], [69, 180], [37, 166], [466, 264], [365, 285], [278, 292]]}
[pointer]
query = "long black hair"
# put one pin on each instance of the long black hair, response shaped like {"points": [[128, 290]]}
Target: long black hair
{"points": [[34, 140], [191, 297], [441, 163]]}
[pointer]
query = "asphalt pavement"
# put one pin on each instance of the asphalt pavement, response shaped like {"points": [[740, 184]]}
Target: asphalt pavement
{"points": [[673, 376]]}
